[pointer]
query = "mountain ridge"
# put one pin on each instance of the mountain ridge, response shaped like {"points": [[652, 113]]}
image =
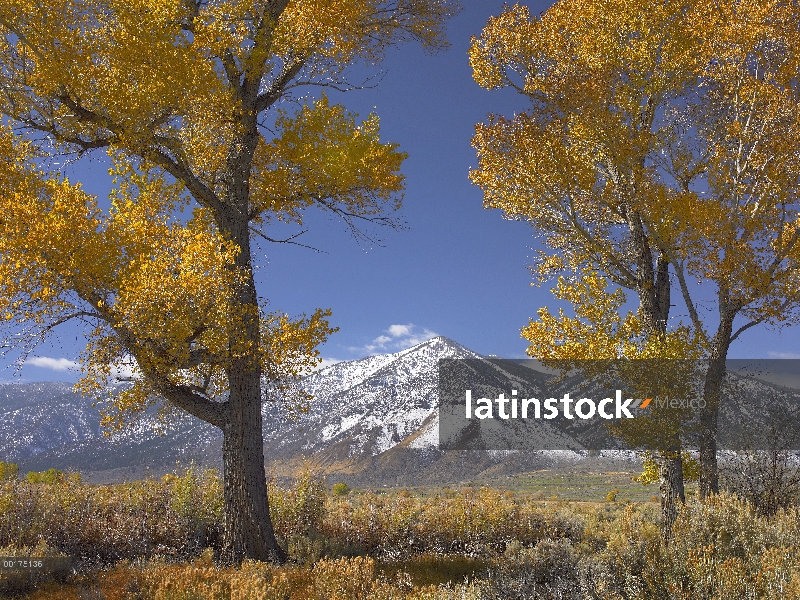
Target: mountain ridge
{"points": [[361, 408], [374, 421]]}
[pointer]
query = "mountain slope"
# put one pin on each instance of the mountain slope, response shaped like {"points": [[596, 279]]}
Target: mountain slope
{"points": [[361, 409], [373, 421]]}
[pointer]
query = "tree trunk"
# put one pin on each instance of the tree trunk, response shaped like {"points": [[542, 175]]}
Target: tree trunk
{"points": [[672, 488], [248, 527], [672, 491], [709, 469]]}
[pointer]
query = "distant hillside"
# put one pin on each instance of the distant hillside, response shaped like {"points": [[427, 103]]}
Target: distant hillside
{"points": [[373, 421]]}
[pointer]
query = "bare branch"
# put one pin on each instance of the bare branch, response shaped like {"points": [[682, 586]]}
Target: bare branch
{"points": [[341, 85], [351, 218], [744, 328], [288, 240], [69, 317]]}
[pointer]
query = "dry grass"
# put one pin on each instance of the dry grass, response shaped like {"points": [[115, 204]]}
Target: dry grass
{"points": [[156, 539]]}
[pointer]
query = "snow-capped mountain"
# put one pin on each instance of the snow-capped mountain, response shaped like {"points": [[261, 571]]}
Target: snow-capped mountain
{"points": [[371, 405], [374, 420], [38, 417], [48, 424], [362, 409]]}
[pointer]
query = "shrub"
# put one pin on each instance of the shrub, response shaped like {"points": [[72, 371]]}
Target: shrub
{"points": [[8, 471], [340, 579], [297, 510], [341, 489], [549, 570], [480, 521], [510, 545], [50, 476], [110, 523], [770, 480]]}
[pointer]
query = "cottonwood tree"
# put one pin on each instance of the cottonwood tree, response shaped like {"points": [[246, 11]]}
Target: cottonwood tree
{"points": [[192, 100], [604, 345], [659, 150]]}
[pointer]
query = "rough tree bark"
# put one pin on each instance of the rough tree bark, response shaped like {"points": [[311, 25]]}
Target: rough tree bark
{"points": [[712, 387], [672, 492], [654, 300], [248, 527]]}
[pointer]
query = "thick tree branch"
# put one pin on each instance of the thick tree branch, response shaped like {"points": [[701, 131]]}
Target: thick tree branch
{"points": [[204, 195], [276, 90], [274, 9], [687, 297], [84, 145], [193, 9], [747, 326], [250, 79], [182, 396], [232, 73]]}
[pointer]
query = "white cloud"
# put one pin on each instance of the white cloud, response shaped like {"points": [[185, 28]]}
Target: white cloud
{"points": [[327, 362], [125, 369], [400, 330], [400, 337], [784, 355], [54, 364]]}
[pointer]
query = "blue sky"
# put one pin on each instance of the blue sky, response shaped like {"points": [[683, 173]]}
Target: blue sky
{"points": [[459, 270]]}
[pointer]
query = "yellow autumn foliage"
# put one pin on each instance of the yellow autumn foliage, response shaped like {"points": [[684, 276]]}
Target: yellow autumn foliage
{"points": [[658, 152], [191, 103], [656, 130]]}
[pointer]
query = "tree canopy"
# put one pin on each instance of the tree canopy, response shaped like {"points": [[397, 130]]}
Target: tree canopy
{"points": [[213, 119], [659, 152]]}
